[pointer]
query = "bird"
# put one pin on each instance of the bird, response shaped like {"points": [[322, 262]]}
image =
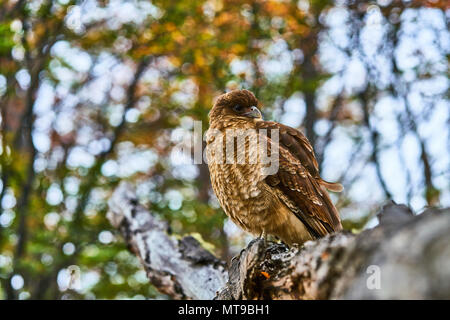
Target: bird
{"points": [[291, 202]]}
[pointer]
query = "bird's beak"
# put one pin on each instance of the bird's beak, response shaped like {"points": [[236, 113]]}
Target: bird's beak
{"points": [[253, 113]]}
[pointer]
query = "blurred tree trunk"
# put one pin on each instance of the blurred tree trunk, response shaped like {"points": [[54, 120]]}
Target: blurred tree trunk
{"points": [[405, 257], [311, 75]]}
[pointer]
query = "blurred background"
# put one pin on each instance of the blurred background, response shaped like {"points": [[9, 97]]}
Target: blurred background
{"points": [[95, 92]]}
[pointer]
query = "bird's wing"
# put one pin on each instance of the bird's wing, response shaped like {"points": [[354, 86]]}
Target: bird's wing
{"points": [[299, 146], [299, 183]]}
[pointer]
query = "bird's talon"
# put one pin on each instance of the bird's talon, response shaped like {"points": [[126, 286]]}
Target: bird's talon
{"points": [[263, 237]]}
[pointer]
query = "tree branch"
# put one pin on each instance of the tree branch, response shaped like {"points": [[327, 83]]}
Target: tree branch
{"points": [[181, 268], [408, 252]]}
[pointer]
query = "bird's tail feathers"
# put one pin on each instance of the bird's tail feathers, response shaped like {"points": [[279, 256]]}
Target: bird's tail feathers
{"points": [[332, 186]]}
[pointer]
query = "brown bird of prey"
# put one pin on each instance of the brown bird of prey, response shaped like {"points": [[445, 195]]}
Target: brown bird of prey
{"points": [[290, 202]]}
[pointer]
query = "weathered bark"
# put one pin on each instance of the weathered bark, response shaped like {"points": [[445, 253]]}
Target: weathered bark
{"points": [[409, 255], [179, 268]]}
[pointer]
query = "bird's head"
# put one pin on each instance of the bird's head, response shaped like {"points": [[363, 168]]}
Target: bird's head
{"points": [[239, 104]]}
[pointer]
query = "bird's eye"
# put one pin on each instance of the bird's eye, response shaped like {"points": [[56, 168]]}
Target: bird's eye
{"points": [[238, 108]]}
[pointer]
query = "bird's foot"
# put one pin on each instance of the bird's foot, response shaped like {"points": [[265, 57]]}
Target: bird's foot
{"points": [[263, 237]]}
